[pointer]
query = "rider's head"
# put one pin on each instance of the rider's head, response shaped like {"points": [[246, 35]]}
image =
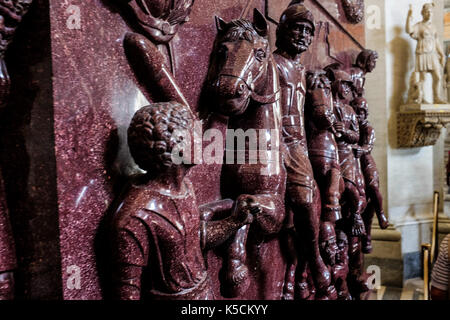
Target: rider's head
{"points": [[296, 28]]}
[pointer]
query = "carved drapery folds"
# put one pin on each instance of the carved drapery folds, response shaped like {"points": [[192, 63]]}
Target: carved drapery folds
{"points": [[354, 10], [420, 126]]}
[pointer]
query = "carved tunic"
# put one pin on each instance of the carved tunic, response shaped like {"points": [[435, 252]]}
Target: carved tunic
{"points": [[367, 141], [426, 56], [293, 90], [345, 114], [321, 142], [159, 247]]}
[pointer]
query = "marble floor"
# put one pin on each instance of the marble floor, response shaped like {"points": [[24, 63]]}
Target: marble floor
{"points": [[412, 290]]}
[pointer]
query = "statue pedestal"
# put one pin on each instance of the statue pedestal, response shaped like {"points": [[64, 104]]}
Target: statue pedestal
{"points": [[420, 125]]}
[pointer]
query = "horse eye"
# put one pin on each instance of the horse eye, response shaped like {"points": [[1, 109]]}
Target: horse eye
{"points": [[260, 54]]}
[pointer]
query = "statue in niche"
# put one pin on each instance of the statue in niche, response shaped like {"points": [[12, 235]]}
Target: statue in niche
{"points": [[430, 57], [295, 33], [354, 10], [243, 81], [157, 22], [159, 232], [365, 63], [11, 14]]}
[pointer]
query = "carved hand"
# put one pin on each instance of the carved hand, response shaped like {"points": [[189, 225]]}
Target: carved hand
{"points": [[410, 11], [358, 151], [339, 126], [247, 208]]}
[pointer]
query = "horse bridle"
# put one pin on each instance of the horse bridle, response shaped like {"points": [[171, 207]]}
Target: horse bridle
{"points": [[262, 99]]}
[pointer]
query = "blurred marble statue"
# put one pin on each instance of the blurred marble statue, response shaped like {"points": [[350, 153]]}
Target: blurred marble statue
{"points": [[430, 56]]}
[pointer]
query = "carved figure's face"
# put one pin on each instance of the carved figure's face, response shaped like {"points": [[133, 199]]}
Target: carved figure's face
{"points": [[371, 64], [329, 250], [297, 37], [362, 113], [427, 13], [342, 244], [344, 90]]}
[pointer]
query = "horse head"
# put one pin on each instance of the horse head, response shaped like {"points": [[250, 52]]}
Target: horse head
{"points": [[240, 63]]}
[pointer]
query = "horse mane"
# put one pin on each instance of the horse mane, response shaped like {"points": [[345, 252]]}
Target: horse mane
{"points": [[239, 30]]}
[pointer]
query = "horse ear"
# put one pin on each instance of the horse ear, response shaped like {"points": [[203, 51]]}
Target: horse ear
{"points": [[220, 24], [260, 23]]}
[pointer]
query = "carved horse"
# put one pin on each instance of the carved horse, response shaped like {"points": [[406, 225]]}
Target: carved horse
{"points": [[243, 81]]}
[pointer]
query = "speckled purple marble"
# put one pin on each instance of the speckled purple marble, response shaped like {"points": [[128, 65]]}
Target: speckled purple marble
{"points": [[7, 252]]}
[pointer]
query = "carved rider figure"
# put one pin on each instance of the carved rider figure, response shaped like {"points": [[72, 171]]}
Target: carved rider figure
{"points": [[294, 35], [158, 230]]}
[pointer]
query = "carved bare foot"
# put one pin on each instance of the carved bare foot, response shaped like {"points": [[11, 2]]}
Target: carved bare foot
{"points": [[329, 294], [383, 220], [358, 228], [237, 278], [303, 292], [440, 101]]}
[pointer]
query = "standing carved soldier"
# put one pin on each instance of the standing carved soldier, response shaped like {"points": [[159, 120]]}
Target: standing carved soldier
{"points": [[294, 35], [365, 63], [347, 135]]}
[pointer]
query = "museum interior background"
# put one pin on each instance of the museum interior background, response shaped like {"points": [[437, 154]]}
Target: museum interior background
{"points": [[63, 134]]}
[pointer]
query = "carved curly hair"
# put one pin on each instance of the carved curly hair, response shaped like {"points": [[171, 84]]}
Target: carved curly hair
{"points": [[151, 137]]}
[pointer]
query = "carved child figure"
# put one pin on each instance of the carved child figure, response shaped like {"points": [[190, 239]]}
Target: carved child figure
{"points": [[158, 231]]}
